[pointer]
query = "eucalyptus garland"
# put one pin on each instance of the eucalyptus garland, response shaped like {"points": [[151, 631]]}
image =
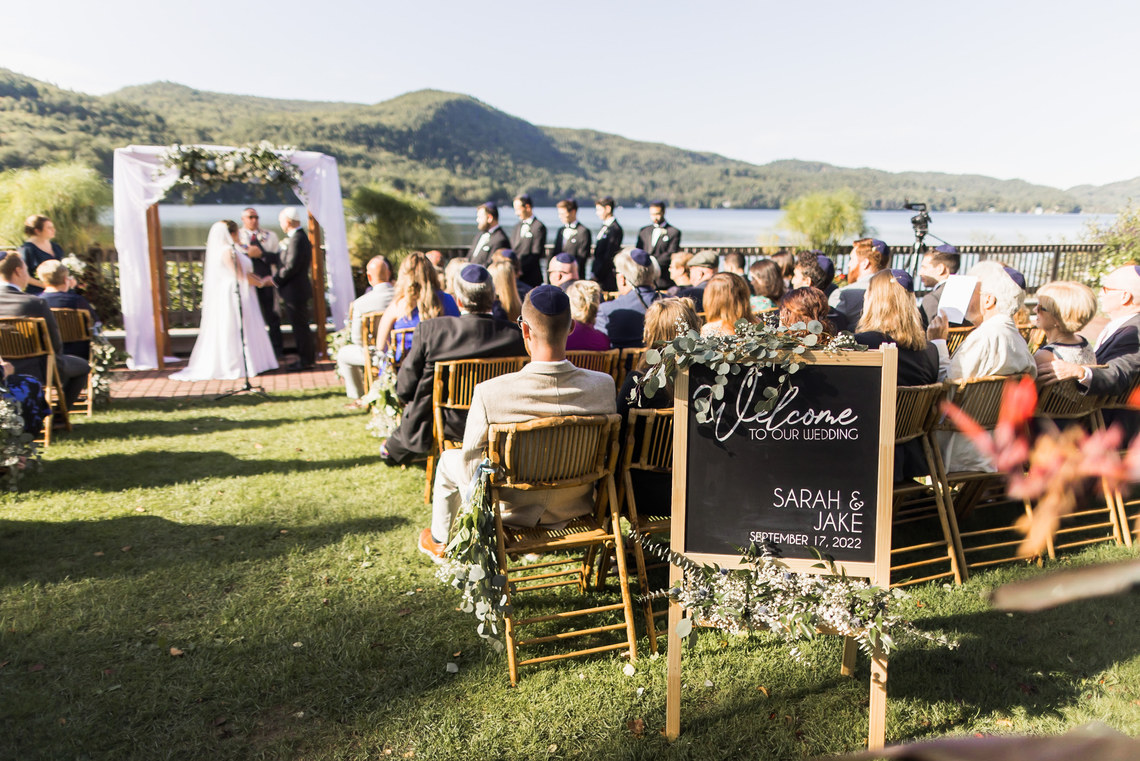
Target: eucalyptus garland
{"points": [[18, 451], [201, 168], [382, 399], [471, 562], [104, 357]]}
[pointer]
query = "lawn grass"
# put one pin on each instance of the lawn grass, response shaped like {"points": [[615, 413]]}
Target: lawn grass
{"points": [[267, 542]]}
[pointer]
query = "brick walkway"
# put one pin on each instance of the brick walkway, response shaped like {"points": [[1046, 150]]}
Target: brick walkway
{"points": [[156, 384]]}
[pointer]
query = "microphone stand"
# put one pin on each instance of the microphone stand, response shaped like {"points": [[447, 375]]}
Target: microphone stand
{"points": [[246, 388]]}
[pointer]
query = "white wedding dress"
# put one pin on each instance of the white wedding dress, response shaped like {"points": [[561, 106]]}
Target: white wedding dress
{"points": [[217, 353]]}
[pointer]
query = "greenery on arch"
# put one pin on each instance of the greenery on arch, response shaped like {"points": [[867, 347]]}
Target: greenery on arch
{"points": [[204, 169]]}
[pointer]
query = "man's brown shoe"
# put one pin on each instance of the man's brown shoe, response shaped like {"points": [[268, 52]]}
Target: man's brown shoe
{"points": [[430, 547]]}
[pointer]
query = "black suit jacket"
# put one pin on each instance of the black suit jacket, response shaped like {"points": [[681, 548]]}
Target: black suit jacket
{"points": [[529, 243], [16, 304], [482, 254], [469, 336], [577, 245], [605, 249], [667, 244], [292, 278], [1121, 353]]}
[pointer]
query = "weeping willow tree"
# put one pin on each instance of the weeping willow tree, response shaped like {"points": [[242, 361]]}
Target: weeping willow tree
{"points": [[387, 222], [70, 194], [823, 220]]}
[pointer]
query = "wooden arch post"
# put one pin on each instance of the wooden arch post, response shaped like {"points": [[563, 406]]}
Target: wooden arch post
{"points": [[159, 298], [320, 309]]}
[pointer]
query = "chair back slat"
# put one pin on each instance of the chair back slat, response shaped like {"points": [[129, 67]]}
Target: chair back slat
{"points": [[458, 378], [599, 361], [555, 452], [627, 363], [652, 440], [980, 398], [955, 337], [1120, 401], [74, 324], [1063, 400], [916, 410], [24, 338]]}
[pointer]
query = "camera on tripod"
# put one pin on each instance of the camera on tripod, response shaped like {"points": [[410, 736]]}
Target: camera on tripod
{"points": [[920, 221]]}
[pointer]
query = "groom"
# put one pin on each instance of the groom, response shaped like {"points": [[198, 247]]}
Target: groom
{"points": [[294, 286]]}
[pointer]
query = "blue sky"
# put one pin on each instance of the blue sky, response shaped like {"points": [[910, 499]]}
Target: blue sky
{"points": [[1042, 91]]}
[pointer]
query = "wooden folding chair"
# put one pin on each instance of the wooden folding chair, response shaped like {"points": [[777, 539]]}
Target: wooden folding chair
{"points": [[557, 453], [992, 538], [648, 449], [452, 388], [1127, 502], [1062, 402], [369, 323], [627, 363], [76, 325], [601, 361], [956, 336], [28, 338], [924, 532], [400, 343], [1026, 330]]}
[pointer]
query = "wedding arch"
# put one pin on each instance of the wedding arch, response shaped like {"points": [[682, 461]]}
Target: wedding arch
{"points": [[143, 174]]}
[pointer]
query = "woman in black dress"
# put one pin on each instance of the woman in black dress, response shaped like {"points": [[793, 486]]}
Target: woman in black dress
{"points": [[39, 248]]}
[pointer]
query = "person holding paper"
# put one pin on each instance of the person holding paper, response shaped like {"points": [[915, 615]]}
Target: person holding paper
{"points": [[1118, 345], [995, 347], [937, 266]]}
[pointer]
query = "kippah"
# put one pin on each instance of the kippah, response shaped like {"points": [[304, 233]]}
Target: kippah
{"points": [[564, 258], [640, 258], [475, 273], [903, 278], [826, 265], [880, 246], [508, 253], [1015, 276], [549, 299], [946, 248]]}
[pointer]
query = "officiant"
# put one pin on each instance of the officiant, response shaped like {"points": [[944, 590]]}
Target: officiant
{"points": [[264, 251]]}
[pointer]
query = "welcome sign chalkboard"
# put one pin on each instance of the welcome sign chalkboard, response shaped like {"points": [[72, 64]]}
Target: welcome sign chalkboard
{"points": [[813, 472]]}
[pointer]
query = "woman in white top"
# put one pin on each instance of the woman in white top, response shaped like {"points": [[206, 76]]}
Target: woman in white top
{"points": [[229, 303]]}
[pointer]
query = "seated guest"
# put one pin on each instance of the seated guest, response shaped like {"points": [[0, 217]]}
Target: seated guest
{"points": [[14, 302], [417, 297], [58, 294], [623, 319], [28, 393], [679, 272], [734, 262], [767, 285], [804, 305], [548, 386], [937, 266], [472, 335], [585, 296], [1118, 345], [563, 270], [816, 270], [451, 271], [509, 256], [726, 302], [350, 358], [508, 303], [436, 259], [1063, 308], [868, 256], [995, 347], [702, 267]]}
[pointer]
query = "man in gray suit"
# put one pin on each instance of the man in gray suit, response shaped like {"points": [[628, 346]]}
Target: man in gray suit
{"points": [[549, 386], [15, 303]]}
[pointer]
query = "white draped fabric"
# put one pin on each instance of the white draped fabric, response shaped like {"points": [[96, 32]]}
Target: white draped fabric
{"points": [[140, 180]]}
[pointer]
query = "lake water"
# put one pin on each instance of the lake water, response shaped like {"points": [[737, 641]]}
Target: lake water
{"points": [[188, 225]]}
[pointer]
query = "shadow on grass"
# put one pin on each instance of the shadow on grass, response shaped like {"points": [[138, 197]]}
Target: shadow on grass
{"points": [[1037, 663], [204, 425], [116, 472], [50, 551]]}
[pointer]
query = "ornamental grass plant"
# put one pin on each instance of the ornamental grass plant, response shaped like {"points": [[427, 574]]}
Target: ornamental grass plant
{"points": [[233, 580]]}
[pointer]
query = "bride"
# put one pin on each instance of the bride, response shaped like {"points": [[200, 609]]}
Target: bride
{"points": [[218, 351]]}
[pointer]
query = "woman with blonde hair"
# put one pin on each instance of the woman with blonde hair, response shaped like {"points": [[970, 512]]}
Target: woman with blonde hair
{"points": [[451, 271], [508, 304], [726, 301], [417, 297], [1063, 308], [890, 315], [585, 296]]}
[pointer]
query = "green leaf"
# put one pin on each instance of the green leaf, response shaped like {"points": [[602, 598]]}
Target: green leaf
{"points": [[770, 392], [652, 356], [684, 627]]}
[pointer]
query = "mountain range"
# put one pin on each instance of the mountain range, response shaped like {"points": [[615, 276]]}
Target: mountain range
{"points": [[453, 149]]}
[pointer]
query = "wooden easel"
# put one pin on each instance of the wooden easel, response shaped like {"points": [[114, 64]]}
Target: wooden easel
{"points": [[877, 571]]}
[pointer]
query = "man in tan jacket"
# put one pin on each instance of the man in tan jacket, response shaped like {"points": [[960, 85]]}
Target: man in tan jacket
{"points": [[549, 386]]}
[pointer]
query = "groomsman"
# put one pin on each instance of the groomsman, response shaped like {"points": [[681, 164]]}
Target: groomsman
{"points": [[491, 237], [263, 249], [529, 241], [661, 240], [572, 238], [608, 244]]}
